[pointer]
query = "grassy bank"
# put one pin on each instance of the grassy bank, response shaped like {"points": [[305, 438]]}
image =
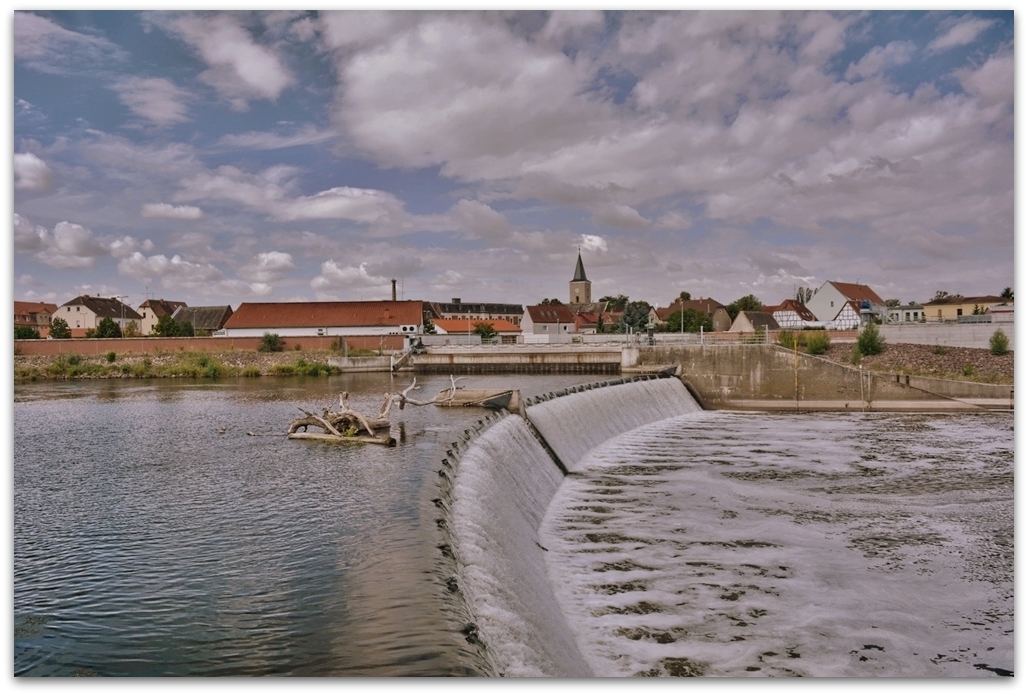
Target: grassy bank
{"points": [[195, 365]]}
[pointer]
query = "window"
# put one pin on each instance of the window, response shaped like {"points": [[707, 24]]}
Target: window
{"points": [[832, 304], [960, 312]]}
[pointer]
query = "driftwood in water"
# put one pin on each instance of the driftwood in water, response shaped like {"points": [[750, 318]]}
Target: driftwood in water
{"points": [[345, 423]]}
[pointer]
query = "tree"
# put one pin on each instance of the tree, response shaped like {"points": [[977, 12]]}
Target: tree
{"points": [[803, 295], [168, 327], [747, 303], [683, 296], [635, 316], [1007, 294], [271, 342], [132, 330], [108, 328], [552, 302], [978, 310], [617, 303], [25, 333], [428, 327], [485, 330], [870, 341], [692, 319], [999, 343], [59, 329], [892, 303]]}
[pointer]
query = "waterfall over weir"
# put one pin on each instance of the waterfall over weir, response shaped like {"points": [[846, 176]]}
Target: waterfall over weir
{"points": [[504, 483]]}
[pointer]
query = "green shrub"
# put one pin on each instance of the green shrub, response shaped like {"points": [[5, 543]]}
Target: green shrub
{"points": [[787, 339], [271, 342], [112, 356], [74, 359], [818, 343], [939, 350], [25, 333], [870, 341], [968, 370], [251, 371], [999, 343], [856, 354]]}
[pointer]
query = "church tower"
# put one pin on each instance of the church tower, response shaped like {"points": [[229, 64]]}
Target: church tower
{"points": [[581, 288]]}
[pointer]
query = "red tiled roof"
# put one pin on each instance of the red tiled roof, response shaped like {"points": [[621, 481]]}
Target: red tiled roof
{"points": [[550, 313], [857, 292], [34, 307], [325, 314], [461, 325], [983, 300], [792, 305]]}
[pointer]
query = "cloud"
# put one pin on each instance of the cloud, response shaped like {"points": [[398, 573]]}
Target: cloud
{"points": [[343, 203], [991, 82], [31, 173], [253, 140], [178, 274], [174, 212], [42, 45], [620, 217], [965, 31], [267, 267], [70, 246], [155, 99], [28, 237], [335, 278], [592, 242], [880, 59], [480, 220], [240, 69]]}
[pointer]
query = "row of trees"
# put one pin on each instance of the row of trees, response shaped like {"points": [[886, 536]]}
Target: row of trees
{"points": [[166, 327]]}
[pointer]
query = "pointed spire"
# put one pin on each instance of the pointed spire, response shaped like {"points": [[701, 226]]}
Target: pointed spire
{"points": [[579, 268]]}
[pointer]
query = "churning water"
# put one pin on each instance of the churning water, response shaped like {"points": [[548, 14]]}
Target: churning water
{"points": [[152, 536], [727, 544]]}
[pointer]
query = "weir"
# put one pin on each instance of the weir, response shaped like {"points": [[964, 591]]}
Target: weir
{"points": [[502, 487]]}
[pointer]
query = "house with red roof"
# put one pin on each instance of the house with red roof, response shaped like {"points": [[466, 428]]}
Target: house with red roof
{"points": [[507, 331], [33, 314], [291, 319], [552, 320], [846, 305], [792, 315]]}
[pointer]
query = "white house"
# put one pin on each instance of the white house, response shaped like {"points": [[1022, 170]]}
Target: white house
{"points": [[291, 319], [793, 315], [86, 312], [912, 313], [555, 321], [753, 321], [846, 305]]}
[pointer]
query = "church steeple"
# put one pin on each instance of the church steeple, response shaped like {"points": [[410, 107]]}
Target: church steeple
{"points": [[580, 287], [579, 269]]}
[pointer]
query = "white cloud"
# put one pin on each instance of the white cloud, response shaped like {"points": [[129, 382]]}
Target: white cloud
{"points": [[592, 242], [267, 267], [307, 135], [28, 237], [178, 274], [880, 59], [31, 173], [335, 279], [963, 32], [342, 203], [240, 69], [155, 99], [70, 246], [174, 212], [992, 81], [42, 45], [126, 246]]}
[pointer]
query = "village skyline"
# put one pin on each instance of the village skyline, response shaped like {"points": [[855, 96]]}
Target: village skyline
{"points": [[718, 153]]}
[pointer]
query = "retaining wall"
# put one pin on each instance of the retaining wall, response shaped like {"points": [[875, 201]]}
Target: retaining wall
{"points": [[770, 377], [101, 346], [968, 335]]}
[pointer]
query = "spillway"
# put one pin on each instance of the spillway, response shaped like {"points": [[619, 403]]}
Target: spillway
{"points": [[505, 481]]}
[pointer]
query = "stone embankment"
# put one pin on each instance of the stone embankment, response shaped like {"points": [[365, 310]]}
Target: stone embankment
{"points": [[962, 364]]}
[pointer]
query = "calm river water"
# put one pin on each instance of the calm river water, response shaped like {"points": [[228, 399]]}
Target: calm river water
{"points": [[153, 536]]}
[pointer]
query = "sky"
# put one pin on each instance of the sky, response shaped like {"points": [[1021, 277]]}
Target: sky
{"points": [[217, 158]]}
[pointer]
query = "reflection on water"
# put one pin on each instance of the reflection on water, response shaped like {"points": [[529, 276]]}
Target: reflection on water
{"points": [[152, 536]]}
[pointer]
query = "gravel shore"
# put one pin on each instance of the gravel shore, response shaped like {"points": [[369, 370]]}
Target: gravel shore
{"points": [[963, 364]]}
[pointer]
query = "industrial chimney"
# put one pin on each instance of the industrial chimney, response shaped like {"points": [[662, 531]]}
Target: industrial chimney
{"points": [[394, 289]]}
